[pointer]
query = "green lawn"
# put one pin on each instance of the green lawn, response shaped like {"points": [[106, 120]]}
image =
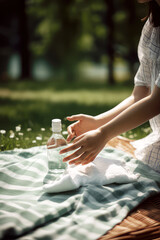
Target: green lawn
{"points": [[32, 105]]}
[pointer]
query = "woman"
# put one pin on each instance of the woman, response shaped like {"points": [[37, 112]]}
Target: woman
{"points": [[92, 133]]}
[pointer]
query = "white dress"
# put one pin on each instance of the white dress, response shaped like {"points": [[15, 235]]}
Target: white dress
{"points": [[148, 74]]}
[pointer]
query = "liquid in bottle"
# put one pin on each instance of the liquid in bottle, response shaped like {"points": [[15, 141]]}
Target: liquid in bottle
{"points": [[55, 143]]}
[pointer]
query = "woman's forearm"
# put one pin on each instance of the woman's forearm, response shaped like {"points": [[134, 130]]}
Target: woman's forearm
{"points": [[133, 116], [138, 93], [103, 118]]}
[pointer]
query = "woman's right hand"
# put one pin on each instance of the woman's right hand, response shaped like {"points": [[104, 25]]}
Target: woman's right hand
{"points": [[84, 123]]}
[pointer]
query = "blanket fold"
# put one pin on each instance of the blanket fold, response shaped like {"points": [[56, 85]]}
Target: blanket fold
{"points": [[100, 172]]}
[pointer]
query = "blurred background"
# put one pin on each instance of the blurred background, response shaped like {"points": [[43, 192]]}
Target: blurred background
{"points": [[43, 39], [59, 58]]}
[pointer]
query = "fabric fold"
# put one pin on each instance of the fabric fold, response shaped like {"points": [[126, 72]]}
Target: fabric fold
{"points": [[101, 171]]}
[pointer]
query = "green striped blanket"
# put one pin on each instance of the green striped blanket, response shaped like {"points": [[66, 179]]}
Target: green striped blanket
{"points": [[27, 212]]}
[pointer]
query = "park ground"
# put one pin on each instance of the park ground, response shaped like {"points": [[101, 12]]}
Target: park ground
{"points": [[27, 108]]}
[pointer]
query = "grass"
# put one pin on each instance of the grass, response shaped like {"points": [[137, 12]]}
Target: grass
{"points": [[27, 108]]}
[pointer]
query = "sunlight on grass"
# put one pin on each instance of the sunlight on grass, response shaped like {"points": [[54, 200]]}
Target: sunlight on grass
{"points": [[28, 107], [87, 97]]}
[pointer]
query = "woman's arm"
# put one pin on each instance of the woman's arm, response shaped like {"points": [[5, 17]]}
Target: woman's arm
{"points": [[86, 123], [88, 145], [134, 115], [138, 93]]}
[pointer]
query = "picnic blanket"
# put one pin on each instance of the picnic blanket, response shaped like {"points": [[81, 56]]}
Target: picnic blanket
{"points": [[27, 212]]}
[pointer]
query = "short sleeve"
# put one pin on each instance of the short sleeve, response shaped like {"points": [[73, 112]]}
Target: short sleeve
{"points": [[158, 81], [143, 76]]}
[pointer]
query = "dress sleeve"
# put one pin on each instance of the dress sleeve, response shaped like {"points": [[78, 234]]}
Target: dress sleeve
{"points": [[143, 75], [158, 81]]}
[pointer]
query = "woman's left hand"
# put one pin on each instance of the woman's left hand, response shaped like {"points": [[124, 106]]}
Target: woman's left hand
{"points": [[88, 146]]}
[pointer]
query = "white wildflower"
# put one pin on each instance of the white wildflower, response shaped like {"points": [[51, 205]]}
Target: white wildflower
{"points": [[3, 131], [18, 128], [43, 129], [131, 136], [34, 141], [39, 138], [29, 129], [65, 133], [20, 134], [147, 130], [12, 135]]}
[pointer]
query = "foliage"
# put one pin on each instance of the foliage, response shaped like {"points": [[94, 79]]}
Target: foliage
{"points": [[68, 32]]}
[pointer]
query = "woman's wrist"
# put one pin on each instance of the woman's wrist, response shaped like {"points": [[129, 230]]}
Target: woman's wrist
{"points": [[105, 133], [99, 121]]}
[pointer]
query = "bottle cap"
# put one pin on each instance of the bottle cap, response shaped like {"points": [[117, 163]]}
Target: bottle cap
{"points": [[56, 125]]}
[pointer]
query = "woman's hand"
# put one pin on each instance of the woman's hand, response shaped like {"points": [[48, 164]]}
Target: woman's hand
{"points": [[84, 124], [87, 147]]}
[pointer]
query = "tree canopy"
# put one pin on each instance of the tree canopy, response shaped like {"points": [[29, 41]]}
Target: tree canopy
{"points": [[68, 32]]}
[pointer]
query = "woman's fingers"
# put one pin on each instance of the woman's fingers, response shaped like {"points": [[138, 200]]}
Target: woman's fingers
{"points": [[79, 159], [75, 117], [73, 128], [73, 155], [70, 148], [87, 148], [78, 138], [90, 159], [71, 132], [71, 136]]}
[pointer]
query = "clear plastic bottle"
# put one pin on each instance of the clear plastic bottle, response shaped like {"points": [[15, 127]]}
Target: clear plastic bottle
{"points": [[54, 145]]}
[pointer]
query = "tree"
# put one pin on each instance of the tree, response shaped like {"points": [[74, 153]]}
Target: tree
{"points": [[110, 39], [57, 33], [132, 52], [14, 34], [24, 40], [67, 32]]}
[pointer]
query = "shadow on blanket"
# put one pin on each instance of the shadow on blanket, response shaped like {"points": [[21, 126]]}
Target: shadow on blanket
{"points": [[26, 212]]}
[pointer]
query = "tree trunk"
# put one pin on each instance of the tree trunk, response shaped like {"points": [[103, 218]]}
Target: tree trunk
{"points": [[24, 41], [110, 39], [130, 6]]}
